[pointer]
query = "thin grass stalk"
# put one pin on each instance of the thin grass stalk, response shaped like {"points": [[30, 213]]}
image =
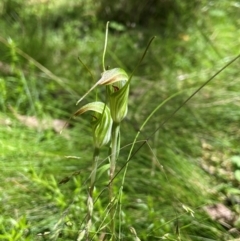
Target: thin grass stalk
{"points": [[114, 155], [131, 151], [61, 81]]}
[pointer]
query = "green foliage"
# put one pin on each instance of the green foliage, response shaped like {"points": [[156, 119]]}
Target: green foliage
{"points": [[13, 230], [236, 162], [191, 161]]}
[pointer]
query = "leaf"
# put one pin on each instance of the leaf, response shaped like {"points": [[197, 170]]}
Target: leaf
{"points": [[236, 160], [237, 175], [103, 169]]}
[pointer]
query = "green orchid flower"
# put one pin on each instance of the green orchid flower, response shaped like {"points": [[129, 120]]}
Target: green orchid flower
{"points": [[117, 82], [117, 91], [101, 124]]}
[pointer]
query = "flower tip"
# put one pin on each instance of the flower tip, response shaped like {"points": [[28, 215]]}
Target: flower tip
{"points": [[79, 100]]}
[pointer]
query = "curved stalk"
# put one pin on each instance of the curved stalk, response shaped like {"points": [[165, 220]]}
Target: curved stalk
{"points": [[105, 47]]}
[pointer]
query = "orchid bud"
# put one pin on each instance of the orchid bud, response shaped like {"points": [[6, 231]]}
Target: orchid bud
{"points": [[117, 90], [101, 124]]}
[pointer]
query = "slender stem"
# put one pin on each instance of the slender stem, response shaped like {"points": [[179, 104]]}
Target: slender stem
{"points": [[114, 156], [90, 200], [141, 59], [115, 148], [105, 47]]}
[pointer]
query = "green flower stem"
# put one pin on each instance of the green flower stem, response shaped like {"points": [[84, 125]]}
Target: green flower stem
{"points": [[113, 159], [115, 148], [90, 200]]}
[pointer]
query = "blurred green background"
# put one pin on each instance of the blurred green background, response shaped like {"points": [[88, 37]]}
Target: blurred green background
{"points": [[191, 164]]}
